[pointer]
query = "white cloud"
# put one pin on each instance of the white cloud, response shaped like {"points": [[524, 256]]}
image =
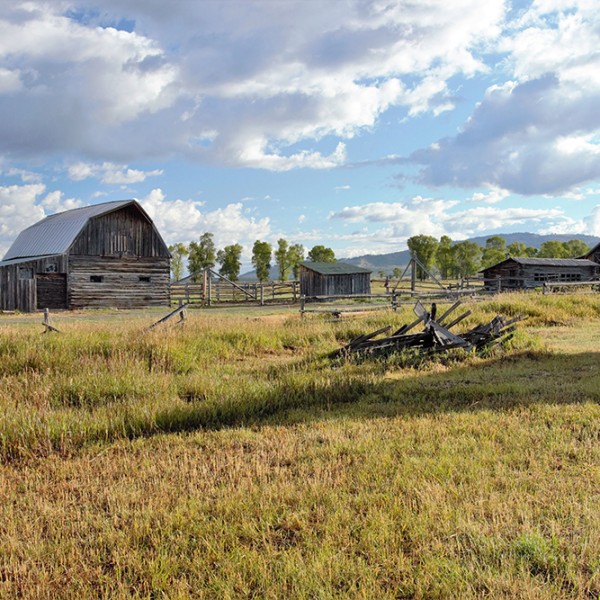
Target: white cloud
{"points": [[109, 173], [185, 220], [235, 83], [429, 216], [24, 205], [492, 197], [539, 133]]}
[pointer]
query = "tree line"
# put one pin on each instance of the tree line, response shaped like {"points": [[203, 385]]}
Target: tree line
{"points": [[463, 259], [203, 254]]}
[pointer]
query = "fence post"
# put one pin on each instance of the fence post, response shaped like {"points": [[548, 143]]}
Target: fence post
{"points": [[302, 303], [262, 294]]}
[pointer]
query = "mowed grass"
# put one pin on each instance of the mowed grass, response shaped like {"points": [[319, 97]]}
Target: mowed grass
{"points": [[232, 459]]}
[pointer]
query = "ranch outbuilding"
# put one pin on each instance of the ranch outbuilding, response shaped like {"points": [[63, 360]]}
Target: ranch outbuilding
{"points": [[519, 272], [333, 279], [106, 255]]}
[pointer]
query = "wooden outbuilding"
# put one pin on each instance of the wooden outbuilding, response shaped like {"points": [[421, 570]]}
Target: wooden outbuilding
{"points": [[593, 254], [333, 279], [519, 272], [106, 255]]}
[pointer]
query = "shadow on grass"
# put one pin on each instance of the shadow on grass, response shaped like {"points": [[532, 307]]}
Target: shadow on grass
{"points": [[499, 384]]}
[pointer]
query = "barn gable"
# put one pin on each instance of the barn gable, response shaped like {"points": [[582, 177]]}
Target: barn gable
{"points": [[593, 254], [106, 255]]}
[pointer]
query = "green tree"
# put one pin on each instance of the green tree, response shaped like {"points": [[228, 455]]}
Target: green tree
{"points": [[552, 249], [517, 249], [261, 259], [575, 248], [397, 273], [296, 256], [230, 259], [467, 258], [494, 251], [202, 254], [178, 252], [423, 247], [282, 259], [321, 254], [531, 252], [444, 256]]}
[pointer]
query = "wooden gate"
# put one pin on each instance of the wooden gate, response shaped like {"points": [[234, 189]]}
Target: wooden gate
{"points": [[51, 290]]}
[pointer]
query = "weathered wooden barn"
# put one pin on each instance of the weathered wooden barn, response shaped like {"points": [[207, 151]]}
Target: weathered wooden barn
{"points": [[519, 272], [333, 279], [106, 255], [593, 254]]}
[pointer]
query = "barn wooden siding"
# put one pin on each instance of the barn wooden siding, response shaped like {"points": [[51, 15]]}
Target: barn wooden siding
{"points": [[319, 284], [126, 282], [120, 233], [513, 275], [19, 292], [594, 254]]}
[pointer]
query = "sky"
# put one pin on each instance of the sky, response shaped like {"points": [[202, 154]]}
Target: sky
{"points": [[350, 123]]}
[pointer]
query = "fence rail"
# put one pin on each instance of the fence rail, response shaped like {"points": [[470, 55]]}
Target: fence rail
{"points": [[217, 292]]}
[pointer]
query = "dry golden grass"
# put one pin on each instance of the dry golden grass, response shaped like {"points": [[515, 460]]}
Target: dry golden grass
{"points": [[232, 460]]}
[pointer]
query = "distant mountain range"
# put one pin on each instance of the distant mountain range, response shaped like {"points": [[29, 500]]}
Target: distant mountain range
{"points": [[387, 262]]}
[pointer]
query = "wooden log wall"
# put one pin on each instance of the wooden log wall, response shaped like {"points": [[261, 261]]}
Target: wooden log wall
{"points": [[105, 282]]}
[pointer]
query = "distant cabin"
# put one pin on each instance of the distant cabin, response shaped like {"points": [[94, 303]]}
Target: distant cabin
{"points": [[333, 279], [106, 255], [520, 272], [593, 254]]}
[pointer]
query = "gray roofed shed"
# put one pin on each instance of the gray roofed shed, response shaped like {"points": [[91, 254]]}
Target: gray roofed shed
{"points": [[333, 279]]}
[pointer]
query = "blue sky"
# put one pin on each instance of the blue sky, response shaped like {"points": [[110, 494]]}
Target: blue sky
{"points": [[349, 123]]}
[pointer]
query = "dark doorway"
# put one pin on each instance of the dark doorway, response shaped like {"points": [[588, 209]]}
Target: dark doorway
{"points": [[51, 290]]}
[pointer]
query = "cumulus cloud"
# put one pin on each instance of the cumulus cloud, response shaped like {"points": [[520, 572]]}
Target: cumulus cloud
{"points": [[229, 83], [185, 220], [24, 205], [540, 132], [109, 173], [430, 216]]}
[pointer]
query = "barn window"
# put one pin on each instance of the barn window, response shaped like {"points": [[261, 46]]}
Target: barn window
{"points": [[96, 278], [144, 278], [119, 244], [52, 268], [25, 273]]}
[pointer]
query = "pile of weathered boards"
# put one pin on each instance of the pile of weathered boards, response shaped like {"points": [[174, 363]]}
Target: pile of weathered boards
{"points": [[435, 337]]}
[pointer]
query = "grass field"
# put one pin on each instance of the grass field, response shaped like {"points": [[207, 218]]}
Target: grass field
{"points": [[230, 458]]}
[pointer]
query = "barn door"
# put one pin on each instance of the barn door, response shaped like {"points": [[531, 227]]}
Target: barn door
{"points": [[51, 290]]}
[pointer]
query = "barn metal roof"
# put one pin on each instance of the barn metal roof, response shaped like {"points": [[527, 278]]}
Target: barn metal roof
{"points": [[547, 262], [335, 268], [55, 234]]}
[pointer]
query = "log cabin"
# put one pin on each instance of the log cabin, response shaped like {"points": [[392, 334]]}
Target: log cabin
{"points": [[333, 279], [107, 255], [520, 272]]}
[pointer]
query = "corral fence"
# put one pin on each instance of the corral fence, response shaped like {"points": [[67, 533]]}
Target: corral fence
{"points": [[212, 288]]}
